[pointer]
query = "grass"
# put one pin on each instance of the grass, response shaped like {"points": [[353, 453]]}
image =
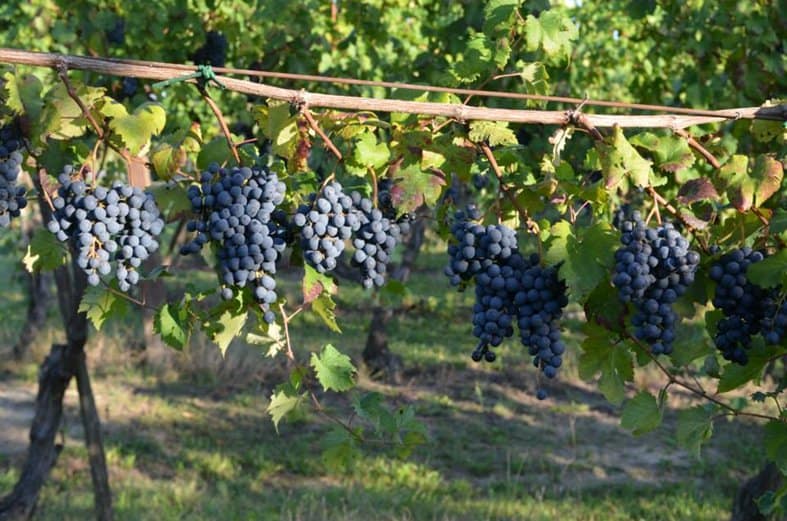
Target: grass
{"points": [[199, 444]]}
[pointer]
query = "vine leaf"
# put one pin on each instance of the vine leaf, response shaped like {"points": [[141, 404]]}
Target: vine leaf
{"points": [[23, 94], [619, 159], [315, 284], [739, 186], [553, 32], [499, 15], [273, 337], [474, 60], [230, 324], [672, 153], [694, 190], [172, 323], [136, 129], [736, 375], [585, 258], [368, 153], [62, 118], [769, 271], [695, 426], [614, 362], [768, 174], [496, 133], [641, 414], [100, 304], [44, 252], [284, 402], [334, 369]]}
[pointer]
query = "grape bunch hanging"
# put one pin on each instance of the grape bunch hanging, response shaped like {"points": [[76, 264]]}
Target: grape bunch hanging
{"points": [[237, 210], [748, 309], [654, 267], [107, 229], [13, 197], [510, 289]]}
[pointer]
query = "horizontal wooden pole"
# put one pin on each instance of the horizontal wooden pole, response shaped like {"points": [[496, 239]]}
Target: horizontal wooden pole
{"points": [[164, 71]]}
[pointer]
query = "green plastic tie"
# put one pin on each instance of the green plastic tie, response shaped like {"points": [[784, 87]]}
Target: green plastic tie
{"points": [[204, 76]]}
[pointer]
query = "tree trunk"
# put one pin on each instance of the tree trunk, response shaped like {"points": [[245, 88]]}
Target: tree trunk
{"points": [[94, 442], [744, 508], [56, 372], [376, 355]]}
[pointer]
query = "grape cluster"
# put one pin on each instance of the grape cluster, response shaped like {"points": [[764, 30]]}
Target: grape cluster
{"points": [[494, 310], [373, 240], [213, 51], [476, 246], [12, 197], [510, 289], [102, 226], [653, 268], [237, 210], [324, 224], [539, 301], [746, 306]]}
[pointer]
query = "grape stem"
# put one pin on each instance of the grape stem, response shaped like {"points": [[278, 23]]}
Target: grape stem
{"points": [[286, 320], [222, 122], [307, 114], [730, 410], [704, 152]]}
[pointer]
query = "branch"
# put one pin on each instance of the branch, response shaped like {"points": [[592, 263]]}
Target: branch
{"points": [[696, 145], [315, 127], [222, 123], [164, 71]]}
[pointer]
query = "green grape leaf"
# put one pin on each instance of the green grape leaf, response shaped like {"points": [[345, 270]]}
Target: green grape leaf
{"points": [[769, 272], [215, 151], [369, 153], [672, 153], [736, 375], [282, 404], [229, 325], [691, 342], [279, 126], [62, 118], [273, 337], [101, 304], [474, 60], [553, 32], [775, 441], [613, 361], [44, 252], [136, 129], [23, 94], [334, 369], [340, 448], [499, 15], [695, 427], [172, 323], [620, 159], [586, 260], [496, 133], [324, 307], [641, 414]]}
